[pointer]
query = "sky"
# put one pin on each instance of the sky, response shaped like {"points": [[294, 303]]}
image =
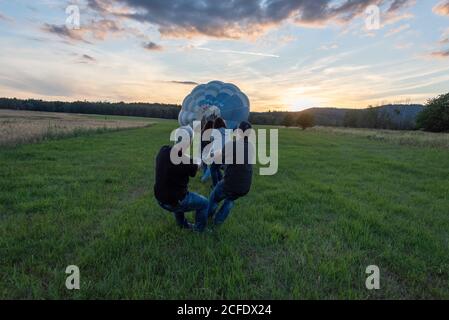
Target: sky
{"points": [[284, 54]]}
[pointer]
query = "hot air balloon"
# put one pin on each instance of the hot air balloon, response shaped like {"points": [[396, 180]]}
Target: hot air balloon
{"points": [[215, 99]]}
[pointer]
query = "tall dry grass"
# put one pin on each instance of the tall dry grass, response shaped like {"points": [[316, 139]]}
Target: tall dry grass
{"points": [[21, 127], [414, 138]]}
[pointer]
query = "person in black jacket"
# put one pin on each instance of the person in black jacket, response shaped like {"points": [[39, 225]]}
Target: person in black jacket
{"points": [[171, 190], [237, 178]]}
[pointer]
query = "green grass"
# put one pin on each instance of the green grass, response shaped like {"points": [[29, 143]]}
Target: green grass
{"points": [[337, 205]]}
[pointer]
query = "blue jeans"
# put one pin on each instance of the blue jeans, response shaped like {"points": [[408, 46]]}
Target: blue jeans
{"points": [[206, 173], [216, 197], [191, 202], [215, 172]]}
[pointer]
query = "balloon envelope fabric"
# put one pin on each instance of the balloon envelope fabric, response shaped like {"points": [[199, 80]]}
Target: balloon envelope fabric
{"points": [[218, 98]]}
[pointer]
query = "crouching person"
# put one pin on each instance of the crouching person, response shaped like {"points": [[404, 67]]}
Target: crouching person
{"points": [[171, 190], [237, 178]]}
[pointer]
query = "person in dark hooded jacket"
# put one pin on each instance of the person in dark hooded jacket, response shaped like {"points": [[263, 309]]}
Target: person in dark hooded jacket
{"points": [[171, 190], [237, 178]]}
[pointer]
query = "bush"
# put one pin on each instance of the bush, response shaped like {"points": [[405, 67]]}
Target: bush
{"points": [[305, 120], [289, 120], [435, 116]]}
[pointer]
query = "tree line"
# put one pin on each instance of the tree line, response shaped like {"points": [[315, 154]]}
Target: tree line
{"points": [[151, 110], [434, 116]]}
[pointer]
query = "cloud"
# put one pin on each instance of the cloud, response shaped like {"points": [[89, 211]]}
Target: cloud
{"points": [[440, 54], [32, 84], [397, 30], [445, 37], [186, 83], [249, 53], [442, 8], [398, 4], [100, 29], [401, 46], [85, 59], [64, 32], [151, 46], [239, 18], [88, 58], [331, 46], [94, 30], [5, 18], [96, 5]]}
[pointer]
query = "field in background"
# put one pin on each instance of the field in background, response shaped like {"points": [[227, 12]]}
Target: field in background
{"points": [[19, 127], [338, 204], [412, 138]]}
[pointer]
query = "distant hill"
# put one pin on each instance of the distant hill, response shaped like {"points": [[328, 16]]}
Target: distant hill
{"points": [[386, 117], [398, 117]]}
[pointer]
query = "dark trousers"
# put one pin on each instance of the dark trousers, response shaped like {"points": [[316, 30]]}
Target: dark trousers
{"points": [[215, 172]]}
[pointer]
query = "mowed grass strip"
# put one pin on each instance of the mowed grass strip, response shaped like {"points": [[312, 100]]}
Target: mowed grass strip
{"points": [[337, 205]]}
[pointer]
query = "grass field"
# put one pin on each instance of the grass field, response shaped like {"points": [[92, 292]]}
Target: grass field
{"points": [[338, 204], [21, 127], [412, 138]]}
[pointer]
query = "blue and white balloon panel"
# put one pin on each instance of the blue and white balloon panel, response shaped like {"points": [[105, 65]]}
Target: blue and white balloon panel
{"points": [[215, 98]]}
